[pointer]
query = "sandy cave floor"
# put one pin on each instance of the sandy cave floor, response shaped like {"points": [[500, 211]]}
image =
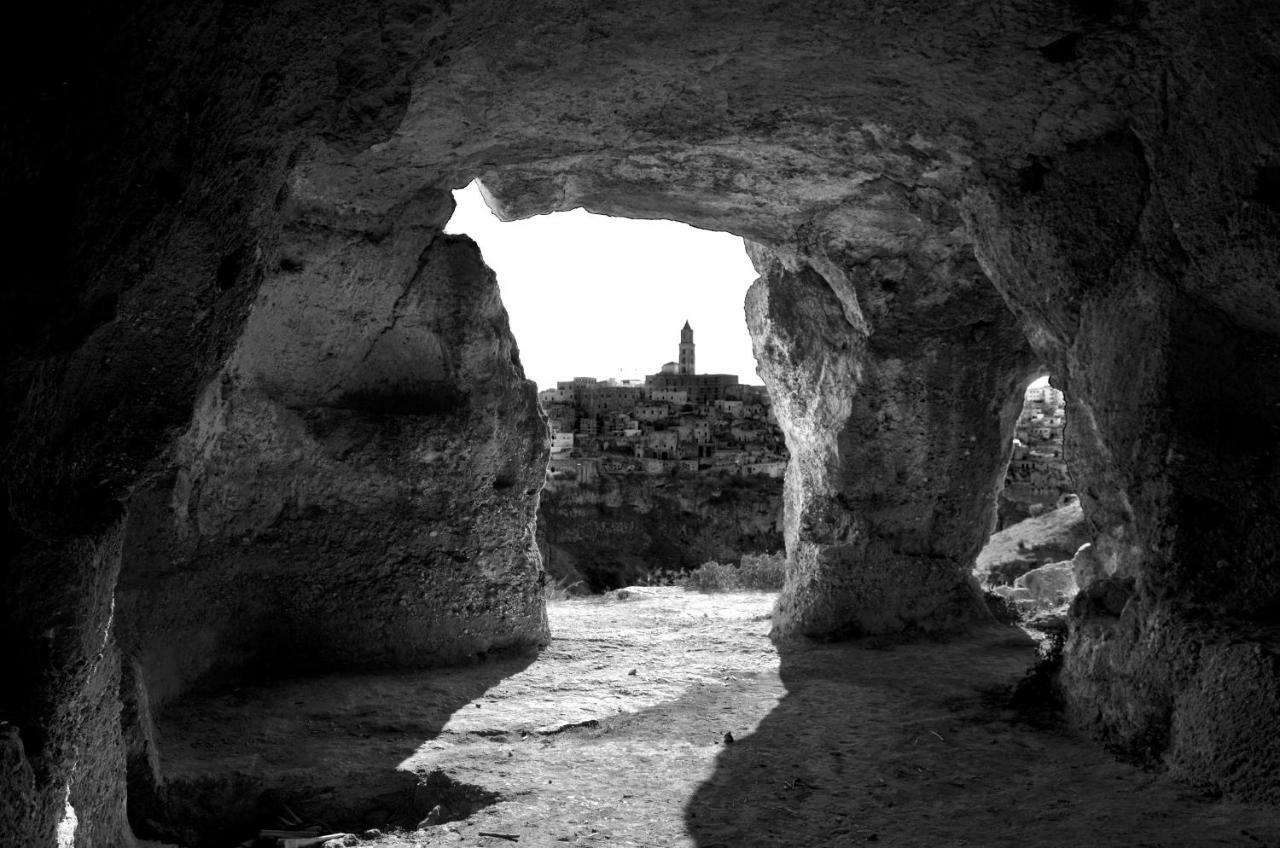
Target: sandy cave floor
{"points": [[615, 735]]}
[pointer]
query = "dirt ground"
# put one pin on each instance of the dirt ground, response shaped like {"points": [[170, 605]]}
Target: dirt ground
{"points": [[616, 736]]}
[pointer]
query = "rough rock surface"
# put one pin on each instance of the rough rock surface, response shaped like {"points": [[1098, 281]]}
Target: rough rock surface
{"points": [[629, 527], [943, 198], [1015, 550], [1085, 566], [1041, 593], [357, 486], [898, 422], [372, 474], [1051, 585]]}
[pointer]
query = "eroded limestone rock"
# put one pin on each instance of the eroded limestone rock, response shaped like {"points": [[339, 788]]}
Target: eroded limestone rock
{"points": [[1052, 584], [358, 485], [1085, 566], [1167, 410], [1015, 550], [891, 370], [1114, 165]]}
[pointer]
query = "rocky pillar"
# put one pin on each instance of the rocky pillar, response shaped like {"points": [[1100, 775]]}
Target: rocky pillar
{"points": [[896, 383]]}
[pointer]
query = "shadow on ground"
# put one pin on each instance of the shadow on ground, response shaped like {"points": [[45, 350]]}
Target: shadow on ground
{"points": [[326, 751], [915, 745], [615, 736]]}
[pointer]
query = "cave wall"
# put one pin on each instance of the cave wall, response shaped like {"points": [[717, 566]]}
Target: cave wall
{"points": [[1114, 165], [357, 487], [1173, 437], [358, 484], [163, 157]]}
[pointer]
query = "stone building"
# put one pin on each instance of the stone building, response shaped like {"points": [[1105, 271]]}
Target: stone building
{"points": [[652, 411], [1038, 475], [673, 415], [677, 397], [602, 399], [698, 388], [686, 350]]}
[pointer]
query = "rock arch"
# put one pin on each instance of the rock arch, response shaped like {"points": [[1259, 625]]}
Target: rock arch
{"points": [[233, 272]]}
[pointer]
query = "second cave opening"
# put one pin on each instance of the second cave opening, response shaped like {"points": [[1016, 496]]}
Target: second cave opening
{"points": [[1030, 559]]}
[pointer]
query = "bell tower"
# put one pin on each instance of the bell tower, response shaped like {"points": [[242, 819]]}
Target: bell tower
{"points": [[686, 349]]}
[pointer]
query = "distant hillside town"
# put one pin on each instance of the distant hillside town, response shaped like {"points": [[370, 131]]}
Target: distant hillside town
{"points": [[674, 420], [1037, 478]]}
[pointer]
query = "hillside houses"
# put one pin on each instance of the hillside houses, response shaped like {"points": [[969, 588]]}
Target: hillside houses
{"points": [[1038, 466], [675, 420]]}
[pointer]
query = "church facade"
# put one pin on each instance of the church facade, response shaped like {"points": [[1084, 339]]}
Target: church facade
{"points": [[681, 375]]}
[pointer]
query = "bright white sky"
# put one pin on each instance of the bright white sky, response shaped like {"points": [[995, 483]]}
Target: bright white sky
{"points": [[594, 296]]}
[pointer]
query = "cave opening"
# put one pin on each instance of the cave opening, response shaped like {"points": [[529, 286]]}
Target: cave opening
{"points": [[664, 451], [605, 296], [1038, 478], [1040, 526]]}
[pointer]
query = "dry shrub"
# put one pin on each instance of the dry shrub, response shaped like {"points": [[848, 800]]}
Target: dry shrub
{"points": [[763, 572], [663, 577], [712, 576], [756, 572], [562, 589]]}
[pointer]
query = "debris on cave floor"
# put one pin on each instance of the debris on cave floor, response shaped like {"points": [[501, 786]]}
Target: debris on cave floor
{"points": [[618, 734], [1051, 537]]}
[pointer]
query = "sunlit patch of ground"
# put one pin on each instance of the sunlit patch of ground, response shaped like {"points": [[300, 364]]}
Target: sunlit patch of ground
{"points": [[847, 744]]}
